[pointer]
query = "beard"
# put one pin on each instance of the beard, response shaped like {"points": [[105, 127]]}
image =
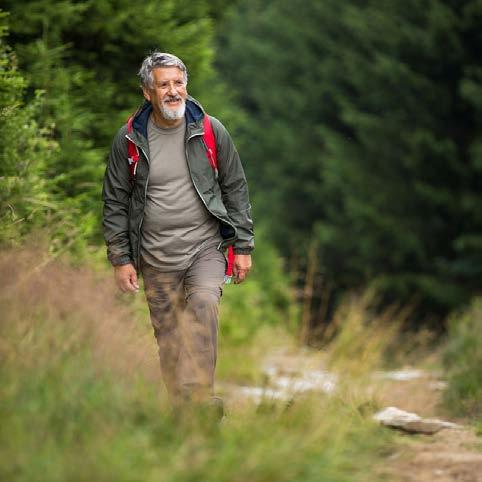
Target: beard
{"points": [[173, 114]]}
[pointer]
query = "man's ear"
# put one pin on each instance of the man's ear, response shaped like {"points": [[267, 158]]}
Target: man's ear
{"points": [[146, 94]]}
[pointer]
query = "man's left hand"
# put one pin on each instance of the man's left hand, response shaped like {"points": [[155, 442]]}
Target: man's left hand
{"points": [[242, 265]]}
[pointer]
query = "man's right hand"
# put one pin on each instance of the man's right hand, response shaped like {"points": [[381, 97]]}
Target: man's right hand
{"points": [[126, 278]]}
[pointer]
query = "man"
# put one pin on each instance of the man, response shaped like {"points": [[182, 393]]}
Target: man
{"points": [[174, 220]]}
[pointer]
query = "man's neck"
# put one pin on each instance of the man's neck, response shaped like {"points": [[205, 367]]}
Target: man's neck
{"points": [[165, 123]]}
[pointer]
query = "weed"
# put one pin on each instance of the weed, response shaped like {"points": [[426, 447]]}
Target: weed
{"points": [[463, 360]]}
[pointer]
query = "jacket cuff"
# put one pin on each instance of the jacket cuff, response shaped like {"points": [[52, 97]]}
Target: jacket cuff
{"points": [[121, 260], [242, 250]]}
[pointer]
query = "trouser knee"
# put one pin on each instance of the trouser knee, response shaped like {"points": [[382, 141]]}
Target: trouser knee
{"points": [[203, 301]]}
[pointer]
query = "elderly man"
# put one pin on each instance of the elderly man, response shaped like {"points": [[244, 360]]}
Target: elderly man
{"points": [[171, 216]]}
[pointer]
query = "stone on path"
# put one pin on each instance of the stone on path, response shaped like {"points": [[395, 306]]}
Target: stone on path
{"points": [[411, 422], [404, 375]]}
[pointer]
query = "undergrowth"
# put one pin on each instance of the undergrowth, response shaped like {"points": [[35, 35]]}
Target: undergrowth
{"points": [[463, 361], [81, 399]]}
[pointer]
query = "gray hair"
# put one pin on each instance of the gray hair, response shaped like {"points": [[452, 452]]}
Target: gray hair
{"points": [[159, 59]]}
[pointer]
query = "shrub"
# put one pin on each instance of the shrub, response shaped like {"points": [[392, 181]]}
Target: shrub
{"points": [[463, 360]]}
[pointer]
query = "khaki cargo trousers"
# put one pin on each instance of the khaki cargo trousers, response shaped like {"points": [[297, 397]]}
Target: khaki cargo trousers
{"points": [[184, 313]]}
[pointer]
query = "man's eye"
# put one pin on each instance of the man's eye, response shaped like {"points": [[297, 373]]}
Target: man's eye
{"points": [[179, 82]]}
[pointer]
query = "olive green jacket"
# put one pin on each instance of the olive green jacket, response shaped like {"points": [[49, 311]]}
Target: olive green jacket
{"points": [[224, 193]]}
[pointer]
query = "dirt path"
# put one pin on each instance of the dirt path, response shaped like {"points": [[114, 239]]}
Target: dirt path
{"points": [[451, 455], [447, 456]]}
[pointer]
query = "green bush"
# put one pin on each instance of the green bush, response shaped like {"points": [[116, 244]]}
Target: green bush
{"points": [[29, 198], [463, 360], [264, 299], [25, 148]]}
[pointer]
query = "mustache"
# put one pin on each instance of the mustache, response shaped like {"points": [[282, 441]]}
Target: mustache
{"points": [[172, 98]]}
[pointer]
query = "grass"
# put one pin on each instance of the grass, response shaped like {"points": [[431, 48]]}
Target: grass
{"points": [[240, 362], [80, 399], [463, 361]]}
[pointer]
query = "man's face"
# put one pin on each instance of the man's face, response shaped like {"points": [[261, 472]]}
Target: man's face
{"points": [[168, 93]]}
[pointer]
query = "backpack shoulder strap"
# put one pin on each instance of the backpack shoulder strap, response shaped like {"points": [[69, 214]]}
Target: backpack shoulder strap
{"points": [[132, 152], [210, 142], [212, 155]]}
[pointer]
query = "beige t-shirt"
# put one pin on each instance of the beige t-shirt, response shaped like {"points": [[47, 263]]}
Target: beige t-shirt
{"points": [[176, 223]]}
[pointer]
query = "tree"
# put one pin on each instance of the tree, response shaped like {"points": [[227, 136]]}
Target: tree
{"points": [[25, 149], [364, 135]]}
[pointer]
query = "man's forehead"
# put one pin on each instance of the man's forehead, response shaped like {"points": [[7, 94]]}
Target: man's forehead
{"points": [[161, 73]]}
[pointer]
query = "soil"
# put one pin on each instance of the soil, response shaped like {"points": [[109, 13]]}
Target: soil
{"points": [[447, 456], [451, 455]]}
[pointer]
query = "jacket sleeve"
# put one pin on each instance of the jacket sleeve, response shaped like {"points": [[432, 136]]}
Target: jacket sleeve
{"points": [[116, 194], [234, 188]]}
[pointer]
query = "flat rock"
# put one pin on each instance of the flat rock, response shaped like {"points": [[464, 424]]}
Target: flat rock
{"points": [[411, 422], [404, 375]]}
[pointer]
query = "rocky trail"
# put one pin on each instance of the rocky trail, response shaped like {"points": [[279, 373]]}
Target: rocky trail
{"points": [[449, 455], [449, 452]]}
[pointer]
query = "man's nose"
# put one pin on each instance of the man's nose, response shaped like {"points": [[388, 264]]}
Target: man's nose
{"points": [[172, 88]]}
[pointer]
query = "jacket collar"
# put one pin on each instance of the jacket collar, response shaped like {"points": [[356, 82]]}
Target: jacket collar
{"points": [[194, 115]]}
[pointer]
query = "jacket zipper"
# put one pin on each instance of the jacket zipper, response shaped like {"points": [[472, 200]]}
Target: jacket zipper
{"points": [[197, 190]]}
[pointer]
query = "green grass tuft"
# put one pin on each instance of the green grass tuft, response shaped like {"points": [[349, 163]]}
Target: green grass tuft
{"points": [[463, 360], [80, 402]]}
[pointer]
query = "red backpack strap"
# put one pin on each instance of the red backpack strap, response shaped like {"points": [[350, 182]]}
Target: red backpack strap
{"points": [[132, 152], [229, 267], [210, 142], [212, 155]]}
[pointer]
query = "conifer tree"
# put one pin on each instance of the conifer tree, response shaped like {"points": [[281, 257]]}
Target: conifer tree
{"points": [[27, 200], [364, 134]]}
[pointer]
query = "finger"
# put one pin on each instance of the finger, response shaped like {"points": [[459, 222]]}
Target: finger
{"points": [[123, 283], [126, 285], [241, 275], [131, 288], [134, 282]]}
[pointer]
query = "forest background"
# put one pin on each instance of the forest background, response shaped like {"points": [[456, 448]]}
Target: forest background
{"points": [[359, 124], [360, 132]]}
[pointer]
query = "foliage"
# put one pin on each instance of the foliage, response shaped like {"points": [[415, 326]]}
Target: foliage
{"points": [[29, 197], [463, 360], [25, 149], [263, 300], [78, 401], [364, 134], [359, 338]]}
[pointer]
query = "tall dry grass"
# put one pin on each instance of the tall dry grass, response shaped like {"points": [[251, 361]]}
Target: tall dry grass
{"points": [[50, 308], [463, 362], [80, 399], [359, 336]]}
